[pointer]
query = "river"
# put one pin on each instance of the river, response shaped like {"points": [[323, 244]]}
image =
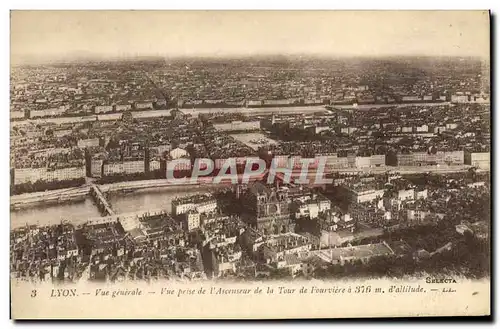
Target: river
{"points": [[151, 198], [76, 212], [80, 211], [256, 111], [251, 111]]}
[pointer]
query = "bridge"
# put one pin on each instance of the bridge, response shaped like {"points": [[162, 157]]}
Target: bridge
{"points": [[100, 199]]}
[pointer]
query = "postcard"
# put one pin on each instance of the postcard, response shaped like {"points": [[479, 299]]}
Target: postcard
{"points": [[249, 164]]}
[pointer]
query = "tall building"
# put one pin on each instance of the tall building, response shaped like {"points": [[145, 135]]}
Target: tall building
{"points": [[267, 209]]}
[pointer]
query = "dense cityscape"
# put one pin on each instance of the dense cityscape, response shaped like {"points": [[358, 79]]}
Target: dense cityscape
{"points": [[406, 142]]}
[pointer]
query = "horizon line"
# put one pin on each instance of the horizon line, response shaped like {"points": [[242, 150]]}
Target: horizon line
{"points": [[67, 59]]}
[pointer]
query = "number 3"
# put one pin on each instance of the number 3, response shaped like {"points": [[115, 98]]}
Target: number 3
{"points": [[33, 293]]}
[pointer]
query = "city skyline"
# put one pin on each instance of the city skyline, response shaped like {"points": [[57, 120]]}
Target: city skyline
{"points": [[66, 35]]}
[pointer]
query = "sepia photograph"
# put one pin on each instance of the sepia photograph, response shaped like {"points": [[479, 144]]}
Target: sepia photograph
{"points": [[249, 164]]}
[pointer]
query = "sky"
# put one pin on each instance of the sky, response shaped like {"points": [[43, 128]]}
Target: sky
{"points": [[66, 34]]}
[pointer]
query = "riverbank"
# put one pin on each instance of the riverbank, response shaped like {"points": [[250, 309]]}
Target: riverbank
{"points": [[144, 184], [49, 197], [78, 193], [77, 207], [256, 111], [251, 111]]}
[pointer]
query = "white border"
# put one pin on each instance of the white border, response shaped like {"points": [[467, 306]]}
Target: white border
{"points": [[256, 4]]}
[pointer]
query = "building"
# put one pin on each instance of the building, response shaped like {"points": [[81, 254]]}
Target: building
{"points": [[422, 129], [267, 208], [439, 129], [451, 125], [416, 216], [178, 153], [143, 105], [191, 220], [182, 166], [17, 115], [348, 130], [319, 129], [339, 162], [370, 161], [361, 192], [202, 203], [151, 114], [480, 160], [335, 220], [310, 206], [368, 212], [103, 109], [426, 158], [275, 248], [253, 103], [277, 102], [420, 194], [62, 132], [96, 167], [404, 195], [453, 157], [476, 184], [123, 107], [154, 165], [54, 112], [224, 259], [460, 98], [124, 167], [237, 126], [407, 129], [411, 98], [109, 117], [353, 254], [32, 175], [90, 142]]}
